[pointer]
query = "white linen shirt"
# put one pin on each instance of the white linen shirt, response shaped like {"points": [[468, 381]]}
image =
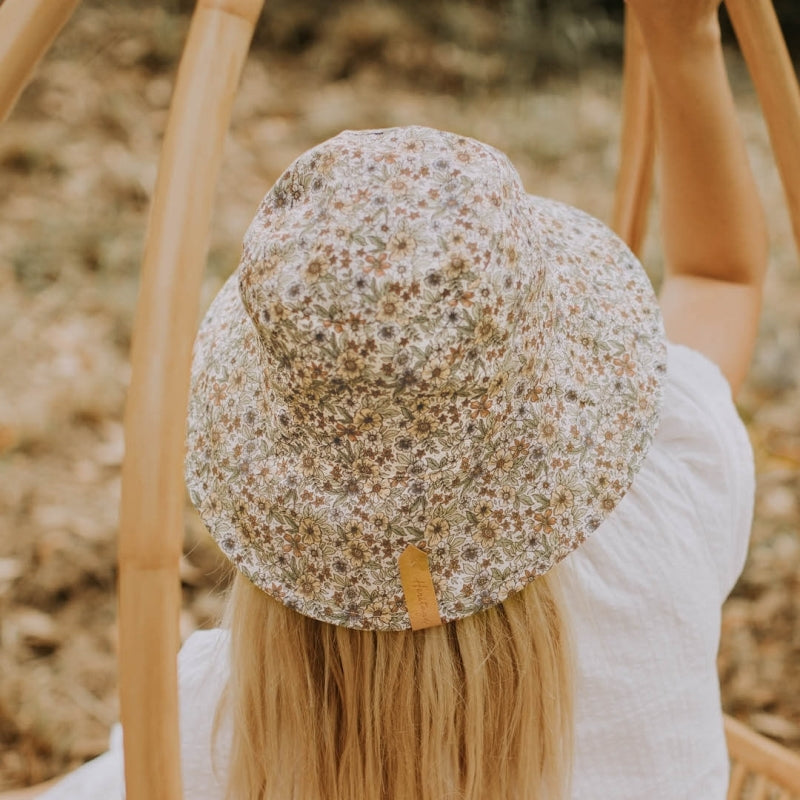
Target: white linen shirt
{"points": [[643, 598]]}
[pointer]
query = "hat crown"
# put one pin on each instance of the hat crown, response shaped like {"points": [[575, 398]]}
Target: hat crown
{"points": [[384, 263]]}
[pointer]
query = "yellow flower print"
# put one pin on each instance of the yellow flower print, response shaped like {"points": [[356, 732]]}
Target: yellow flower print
{"points": [[357, 552], [307, 585], [498, 383], [349, 364], [501, 461], [423, 425], [308, 464], [326, 162], [309, 530], [548, 431], [437, 370], [486, 329], [380, 521], [316, 268], [378, 612], [264, 506], [507, 494], [458, 265], [487, 532], [377, 488], [353, 531], [561, 499], [364, 468], [313, 392], [401, 245], [213, 503], [278, 312], [609, 501], [390, 308], [436, 529], [483, 509], [366, 419]]}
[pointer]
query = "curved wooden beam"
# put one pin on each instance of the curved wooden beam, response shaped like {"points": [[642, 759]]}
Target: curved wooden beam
{"points": [[637, 142], [764, 49], [752, 753], [151, 525], [27, 29]]}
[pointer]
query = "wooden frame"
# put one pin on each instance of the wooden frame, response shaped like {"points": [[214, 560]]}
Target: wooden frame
{"points": [[27, 29], [637, 142], [764, 49], [759, 765], [151, 513], [767, 56]]}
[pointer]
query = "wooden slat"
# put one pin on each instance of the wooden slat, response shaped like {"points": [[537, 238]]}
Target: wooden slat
{"points": [[637, 142], [759, 789], [738, 777], [770, 65], [151, 528], [762, 756], [27, 29]]}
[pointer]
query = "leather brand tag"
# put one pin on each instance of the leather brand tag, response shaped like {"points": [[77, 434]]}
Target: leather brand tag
{"points": [[415, 576]]}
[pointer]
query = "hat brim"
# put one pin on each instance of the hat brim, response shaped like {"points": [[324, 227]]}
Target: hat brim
{"points": [[511, 503]]}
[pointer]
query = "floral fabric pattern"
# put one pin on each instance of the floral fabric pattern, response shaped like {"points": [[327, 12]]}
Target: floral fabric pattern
{"points": [[415, 351]]}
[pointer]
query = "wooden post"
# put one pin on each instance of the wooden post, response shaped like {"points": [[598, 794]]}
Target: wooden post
{"points": [[760, 756], [637, 142], [764, 49], [151, 527], [27, 29]]}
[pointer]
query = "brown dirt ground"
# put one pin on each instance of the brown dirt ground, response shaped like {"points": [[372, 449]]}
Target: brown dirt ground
{"points": [[77, 165]]}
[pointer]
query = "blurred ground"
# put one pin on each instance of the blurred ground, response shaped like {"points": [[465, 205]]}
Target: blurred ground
{"points": [[77, 165]]}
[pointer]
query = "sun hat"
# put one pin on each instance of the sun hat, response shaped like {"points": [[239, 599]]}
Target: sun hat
{"points": [[422, 387]]}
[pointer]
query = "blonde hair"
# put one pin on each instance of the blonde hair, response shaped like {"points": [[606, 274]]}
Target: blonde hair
{"points": [[479, 708]]}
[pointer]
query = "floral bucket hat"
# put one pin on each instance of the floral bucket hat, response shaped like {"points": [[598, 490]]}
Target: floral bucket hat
{"points": [[422, 387]]}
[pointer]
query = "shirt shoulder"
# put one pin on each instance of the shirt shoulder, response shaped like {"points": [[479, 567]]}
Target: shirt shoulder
{"points": [[703, 435]]}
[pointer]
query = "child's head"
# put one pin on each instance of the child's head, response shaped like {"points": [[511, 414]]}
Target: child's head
{"points": [[414, 351]]}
